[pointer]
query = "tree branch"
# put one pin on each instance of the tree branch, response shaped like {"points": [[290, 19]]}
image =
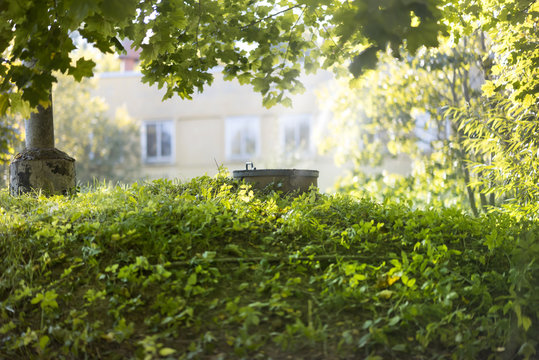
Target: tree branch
{"points": [[290, 35], [471, 194], [327, 31], [198, 27], [270, 16]]}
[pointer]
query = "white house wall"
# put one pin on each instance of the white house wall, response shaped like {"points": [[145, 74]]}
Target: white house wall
{"points": [[199, 140]]}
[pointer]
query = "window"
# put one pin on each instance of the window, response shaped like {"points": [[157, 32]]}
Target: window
{"points": [[296, 134], [158, 141], [242, 138]]}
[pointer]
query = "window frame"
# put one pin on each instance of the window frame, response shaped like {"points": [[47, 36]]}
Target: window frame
{"points": [[160, 126], [295, 121], [232, 124]]}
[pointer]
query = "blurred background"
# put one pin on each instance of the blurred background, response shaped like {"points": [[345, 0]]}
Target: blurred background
{"points": [[119, 129], [404, 131]]}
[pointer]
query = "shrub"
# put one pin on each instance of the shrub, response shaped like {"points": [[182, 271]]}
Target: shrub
{"points": [[212, 269]]}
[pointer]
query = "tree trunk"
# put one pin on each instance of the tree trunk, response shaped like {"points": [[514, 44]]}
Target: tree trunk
{"points": [[471, 194], [41, 167], [40, 129]]}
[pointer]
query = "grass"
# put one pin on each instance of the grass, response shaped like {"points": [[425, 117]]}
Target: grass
{"points": [[210, 269]]}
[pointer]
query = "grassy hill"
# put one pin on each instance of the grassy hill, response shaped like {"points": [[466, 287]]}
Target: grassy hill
{"points": [[212, 270]]}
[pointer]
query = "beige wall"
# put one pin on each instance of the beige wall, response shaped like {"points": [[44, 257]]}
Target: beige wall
{"points": [[200, 124]]}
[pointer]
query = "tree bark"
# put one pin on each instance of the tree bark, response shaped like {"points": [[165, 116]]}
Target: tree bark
{"points": [[471, 194], [40, 129], [484, 202]]}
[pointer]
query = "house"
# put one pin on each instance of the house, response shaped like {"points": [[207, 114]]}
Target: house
{"points": [[225, 125]]}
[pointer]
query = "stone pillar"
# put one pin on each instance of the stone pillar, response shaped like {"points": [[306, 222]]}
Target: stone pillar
{"points": [[40, 166]]}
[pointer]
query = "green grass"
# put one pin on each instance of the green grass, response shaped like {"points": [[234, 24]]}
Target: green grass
{"points": [[212, 270]]}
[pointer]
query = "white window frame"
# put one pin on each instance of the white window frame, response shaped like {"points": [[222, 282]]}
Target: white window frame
{"points": [[240, 123], [295, 122], [159, 158]]}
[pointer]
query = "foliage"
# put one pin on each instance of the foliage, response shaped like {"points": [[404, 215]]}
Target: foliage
{"points": [[259, 42], [11, 127], [506, 134], [399, 109], [513, 65], [462, 141], [10, 134], [501, 131], [420, 189], [10, 140], [212, 269], [105, 147]]}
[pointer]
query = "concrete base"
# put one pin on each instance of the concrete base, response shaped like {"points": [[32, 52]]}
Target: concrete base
{"points": [[49, 170]]}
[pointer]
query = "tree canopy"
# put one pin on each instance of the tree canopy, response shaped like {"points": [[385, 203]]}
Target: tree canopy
{"points": [[466, 112], [263, 43]]}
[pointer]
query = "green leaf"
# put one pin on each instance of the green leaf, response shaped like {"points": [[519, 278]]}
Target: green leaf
{"points": [[37, 298], [394, 321], [244, 78], [75, 216], [488, 89], [80, 9], [526, 323], [43, 342], [287, 102], [118, 10], [385, 294], [83, 68], [269, 101], [192, 280], [19, 106], [426, 34], [49, 300], [166, 351], [4, 104], [367, 59], [260, 85]]}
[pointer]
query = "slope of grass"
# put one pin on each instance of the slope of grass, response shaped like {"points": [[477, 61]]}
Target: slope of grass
{"points": [[211, 270]]}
